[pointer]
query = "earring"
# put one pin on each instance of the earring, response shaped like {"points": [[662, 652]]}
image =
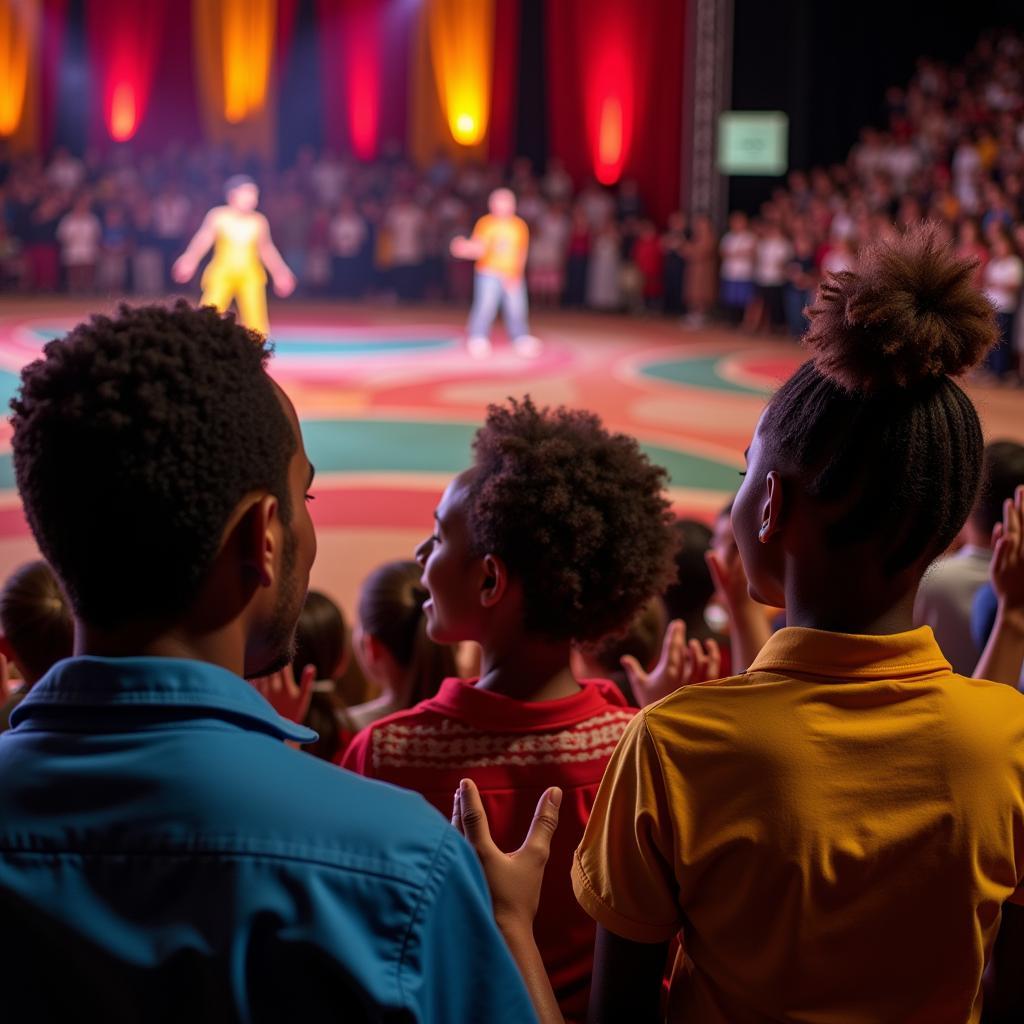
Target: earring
{"points": [[762, 534]]}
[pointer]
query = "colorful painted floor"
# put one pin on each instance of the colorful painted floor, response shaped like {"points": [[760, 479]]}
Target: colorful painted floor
{"points": [[389, 403]]}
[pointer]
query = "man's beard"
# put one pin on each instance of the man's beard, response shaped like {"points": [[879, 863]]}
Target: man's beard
{"points": [[281, 632]]}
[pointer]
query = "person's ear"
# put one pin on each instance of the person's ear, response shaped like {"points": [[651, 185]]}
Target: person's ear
{"points": [[261, 538], [6, 649], [772, 508], [495, 581]]}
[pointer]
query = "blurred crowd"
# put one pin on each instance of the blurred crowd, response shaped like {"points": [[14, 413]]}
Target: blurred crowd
{"points": [[950, 148]]}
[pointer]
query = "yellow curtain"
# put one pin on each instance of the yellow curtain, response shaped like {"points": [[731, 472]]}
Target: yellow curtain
{"points": [[19, 50], [234, 50], [452, 71]]}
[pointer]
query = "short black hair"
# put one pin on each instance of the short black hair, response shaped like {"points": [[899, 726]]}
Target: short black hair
{"points": [[237, 181], [692, 588], [578, 514], [135, 438], [35, 619], [874, 424], [1002, 472]]}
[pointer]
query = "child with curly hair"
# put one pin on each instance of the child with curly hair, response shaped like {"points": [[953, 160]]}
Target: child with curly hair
{"points": [[559, 532]]}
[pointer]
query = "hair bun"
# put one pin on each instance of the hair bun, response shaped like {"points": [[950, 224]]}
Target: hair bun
{"points": [[908, 313]]}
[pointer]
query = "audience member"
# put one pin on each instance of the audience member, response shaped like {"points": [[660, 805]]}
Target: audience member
{"points": [[36, 628], [558, 533], [160, 841], [392, 643], [946, 595]]}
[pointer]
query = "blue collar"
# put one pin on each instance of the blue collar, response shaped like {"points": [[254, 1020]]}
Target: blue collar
{"points": [[137, 683]]}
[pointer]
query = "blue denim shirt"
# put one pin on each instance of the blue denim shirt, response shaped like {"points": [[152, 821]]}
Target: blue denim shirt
{"points": [[164, 856]]}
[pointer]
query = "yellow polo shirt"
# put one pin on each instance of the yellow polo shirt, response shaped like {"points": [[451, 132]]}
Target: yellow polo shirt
{"points": [[832, 834]]}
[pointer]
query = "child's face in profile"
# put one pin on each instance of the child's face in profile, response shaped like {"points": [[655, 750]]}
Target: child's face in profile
{"points": [[452, 573]]}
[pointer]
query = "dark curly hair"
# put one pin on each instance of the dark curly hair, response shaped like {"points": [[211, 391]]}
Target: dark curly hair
{"points": [[579, 515], [874, 424], [135, 437]]}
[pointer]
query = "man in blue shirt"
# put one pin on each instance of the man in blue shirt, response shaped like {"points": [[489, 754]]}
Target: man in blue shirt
{"points": [[164, 854]]}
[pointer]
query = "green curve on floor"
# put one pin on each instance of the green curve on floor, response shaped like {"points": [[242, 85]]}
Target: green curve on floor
{"points": [[292, 343], [419, 446], [697, 372], [424, 446]]}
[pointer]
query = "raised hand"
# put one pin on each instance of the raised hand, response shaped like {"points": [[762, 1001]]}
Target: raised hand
{"points": [[288, 698], [1007, 569], [681, 664], [513, 878]]}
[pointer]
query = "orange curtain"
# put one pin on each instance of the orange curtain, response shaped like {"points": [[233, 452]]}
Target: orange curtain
{"points": [[451, 83], [234, 42], [19, 52]]}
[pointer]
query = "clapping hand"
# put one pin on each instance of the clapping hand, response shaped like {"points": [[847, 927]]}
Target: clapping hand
{"points": [[288, 698], [1008, 554], [513, 878], [681, 664]]}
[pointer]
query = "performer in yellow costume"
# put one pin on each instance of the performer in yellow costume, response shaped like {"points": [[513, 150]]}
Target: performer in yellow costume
{"points": [[242, 247]]}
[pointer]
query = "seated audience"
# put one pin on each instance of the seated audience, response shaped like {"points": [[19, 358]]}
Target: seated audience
{"points": [[835, 834], [36, 630], [946, 596], [558, 533], [158, 838], [393, 646], [321, 644]]}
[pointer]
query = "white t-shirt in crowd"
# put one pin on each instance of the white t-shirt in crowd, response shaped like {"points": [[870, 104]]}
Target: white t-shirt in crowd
{"points": [[773, 254], [737, 250], [1002, 281], [405, 225], [347, 232], [328, 178], [79, 237]]}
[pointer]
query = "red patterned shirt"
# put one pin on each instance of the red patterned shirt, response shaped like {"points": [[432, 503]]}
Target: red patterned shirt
{"points": [[513, 750]]}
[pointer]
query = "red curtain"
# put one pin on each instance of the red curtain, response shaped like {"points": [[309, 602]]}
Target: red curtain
{"points": [[504, 84], [615, 82], [351, 58], [54, 16], [124, 43]]}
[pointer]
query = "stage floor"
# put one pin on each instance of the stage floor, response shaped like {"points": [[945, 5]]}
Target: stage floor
{"points": [[389, 402]]}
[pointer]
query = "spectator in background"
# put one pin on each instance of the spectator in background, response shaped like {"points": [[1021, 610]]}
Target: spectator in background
{"points": [[771, 259], [578, 259], [801, 281], [604, 266], [172, 219], [701, 270], [405, 223], [946, 595], [186, 560], [1003, 277], [36, 630], [649, 259], [112, 272], [79, 234], [737, 250], [392, 644], [673, 241], [321, 641], [42, 252], [147, 259], [545, 263]]}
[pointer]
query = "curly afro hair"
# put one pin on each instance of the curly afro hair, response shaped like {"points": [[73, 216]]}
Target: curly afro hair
{"points": [[874, 423], [579, 515], [135, 438]]}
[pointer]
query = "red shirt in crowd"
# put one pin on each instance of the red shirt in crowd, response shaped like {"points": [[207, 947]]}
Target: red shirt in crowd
{"points": [[513, 750]]}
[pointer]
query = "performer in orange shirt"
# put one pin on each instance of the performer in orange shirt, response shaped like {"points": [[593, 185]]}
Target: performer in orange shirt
{"points": [[498, 245]]}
